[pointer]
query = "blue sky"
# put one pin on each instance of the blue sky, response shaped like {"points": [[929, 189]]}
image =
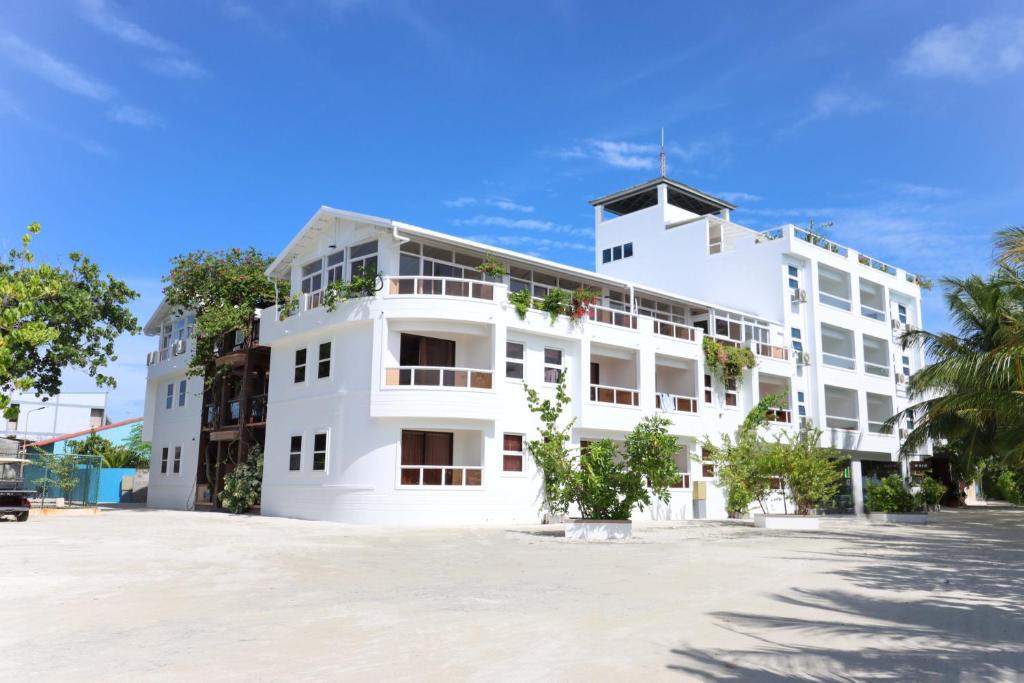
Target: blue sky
{"points": [[137, 130]]}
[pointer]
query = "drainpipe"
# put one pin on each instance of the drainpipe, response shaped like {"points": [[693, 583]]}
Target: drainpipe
{"points": [[398, 238]]}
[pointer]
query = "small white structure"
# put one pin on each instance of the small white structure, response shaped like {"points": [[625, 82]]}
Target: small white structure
{"points": [[786, 522], [408, 407], [46, 417], [899, 517], [598, 530]]}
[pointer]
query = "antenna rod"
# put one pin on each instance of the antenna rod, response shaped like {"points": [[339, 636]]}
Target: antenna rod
{"points": [[661, 157]]}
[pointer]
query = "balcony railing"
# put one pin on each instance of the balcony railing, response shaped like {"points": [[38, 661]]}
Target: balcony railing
{"points": [[779, 415], [216, 416], [675, 330], [622, 396], [769, 351], [820, 242], [683, 482], [257, 409], [433, 376], [838, 361], [441, 286], [833, 300], [872, 312], [675, 403], [609, 316], [841, 422], [880, 369], [441, 475]]}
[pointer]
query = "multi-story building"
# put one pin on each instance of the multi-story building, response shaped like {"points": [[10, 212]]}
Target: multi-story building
{"points": [[408, 406], [47, 417]]}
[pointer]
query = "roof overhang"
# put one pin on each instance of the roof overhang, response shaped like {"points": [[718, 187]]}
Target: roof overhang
{"points": [[280, 269], [646, 195]]}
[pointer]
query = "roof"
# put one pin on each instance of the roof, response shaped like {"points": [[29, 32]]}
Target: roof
{"points": [[280, 267], [152, 327], [646, 194], [86, 432]]}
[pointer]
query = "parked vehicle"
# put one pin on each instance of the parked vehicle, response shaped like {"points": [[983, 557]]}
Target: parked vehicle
{"points": [[14, 498]]}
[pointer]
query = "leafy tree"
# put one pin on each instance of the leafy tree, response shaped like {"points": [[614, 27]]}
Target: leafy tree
{"points": [[602, 481], [60, 470], [891, 495], [55, 317], [112, 455], [134, 443], [809, 472], [243, 484], [224, 289]]}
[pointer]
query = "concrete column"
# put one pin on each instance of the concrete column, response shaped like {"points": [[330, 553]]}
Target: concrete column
{"points": [[858, 487], [598, 215], [646, 369]]}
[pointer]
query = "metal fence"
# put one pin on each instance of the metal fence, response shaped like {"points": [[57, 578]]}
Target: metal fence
{"points": [[77, 483]]}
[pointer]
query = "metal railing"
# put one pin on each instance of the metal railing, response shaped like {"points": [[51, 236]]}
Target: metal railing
{"points": [[769, 235], [769, 351], [779, 415], [877, 265], [434, 376], [441, 475], [674, 330], [440, 286], [676, 403], [610, 316], [820, 242], [622, 396]]}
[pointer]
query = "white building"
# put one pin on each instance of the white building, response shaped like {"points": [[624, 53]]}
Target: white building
{"points": [[408, 407], [45, 417]]}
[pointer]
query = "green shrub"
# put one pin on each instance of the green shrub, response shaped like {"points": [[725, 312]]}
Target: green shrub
{"points": [[556, 302], [243, 484], [727, 362], [522, 301], [891, 496], [932, 491]]}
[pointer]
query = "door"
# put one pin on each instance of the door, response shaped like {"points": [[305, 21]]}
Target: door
{"points": [[430, 351]]}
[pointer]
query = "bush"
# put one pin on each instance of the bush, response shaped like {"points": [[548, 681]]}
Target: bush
{"points": [[891, 496], [243, 484], [932, 492]]}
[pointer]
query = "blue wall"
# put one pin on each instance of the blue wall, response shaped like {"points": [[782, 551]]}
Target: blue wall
{"points": [[110, 483]]}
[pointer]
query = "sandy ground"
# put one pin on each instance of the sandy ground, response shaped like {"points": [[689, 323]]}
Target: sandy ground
{"points": [[156, 595]]}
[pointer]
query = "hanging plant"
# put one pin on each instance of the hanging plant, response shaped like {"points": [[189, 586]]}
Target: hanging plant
{"points": [[522, 301], [492, 268], [582, 299], [556, 302], [727, 362], [365, 282]]}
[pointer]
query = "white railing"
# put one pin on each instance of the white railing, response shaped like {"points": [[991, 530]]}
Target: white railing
{"points": [[833, 300], [442, 377], [683, 482], [779, 415], [877, 265], [837, 361], [622, 396], [675, 330], [610, 316], [440, 286], [841, 422], [820, 242], [880, 369], [769, 351], [872, 312], [675, 403], [769, 235], [441, 475]]}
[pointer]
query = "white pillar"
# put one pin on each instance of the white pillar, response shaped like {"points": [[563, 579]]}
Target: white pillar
{"points": [[857, 487]]}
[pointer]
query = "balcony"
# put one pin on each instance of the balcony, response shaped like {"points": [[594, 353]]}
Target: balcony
{"points": [[834, 288], [438, 377], [223, 419], [768, 351], [771, 385], [674, 330], [440, 286], [879, 410], [675, 383], [610, 316], [675, 403], [841, 408], [441, 459], [876, 356], [837, 347]]}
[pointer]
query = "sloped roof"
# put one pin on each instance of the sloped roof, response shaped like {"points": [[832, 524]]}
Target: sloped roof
{"points": [[646, 194]]}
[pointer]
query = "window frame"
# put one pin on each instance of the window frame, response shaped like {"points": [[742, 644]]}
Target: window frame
{"points": [[299, 369], [506, 453], [164, 454], [320, 360], [315, 280], [731, 387], [709, 388], [169, 401], [335, 272], [176, 464], [357, 262], [325, 451], [521, 361], [182, 388], [606, 255], [292, 453], [627, 247], [560, 367]]}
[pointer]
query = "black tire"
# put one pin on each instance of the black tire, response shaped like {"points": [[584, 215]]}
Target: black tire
{"points": [[21, 516]]}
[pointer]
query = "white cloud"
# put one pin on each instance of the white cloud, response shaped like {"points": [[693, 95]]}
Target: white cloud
{"points": [[739, 197], [50, 69], [509, 205], [630, 155], [532, 224], [133, 116], [460, 202], [976, 51]]}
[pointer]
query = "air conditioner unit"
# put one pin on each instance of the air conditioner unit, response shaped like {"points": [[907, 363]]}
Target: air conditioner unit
{"points": [[901, 378], [152, 357], [178, 348], [799, 296], [803, 358]]}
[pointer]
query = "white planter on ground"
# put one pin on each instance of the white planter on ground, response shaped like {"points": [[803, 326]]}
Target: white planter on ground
{"points": [[899, 517], [788, 522], [598, 529]]}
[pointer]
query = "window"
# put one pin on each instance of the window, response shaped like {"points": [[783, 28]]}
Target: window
{"points": [[627, 250], [730, 392], [417, 350], [363, 257], [876, 356], [872, 300], [295, 454], [714, 238], [837, 347], [552, 365], [901, 312], [181, 393], [177, 460], [879, 410], [606, 255], [163, 461], [169, 403], [96, 417], [841, 408], [336, 267], [801, 405], [707, 468], [683, 468], [834, 287], [313, 281], [794, 277], [300, 365], [906, 365], [798, 344], [513, 360], [323, 366], [320, 452], [165, 342], [512, 460], [708, 392], [617, 253]]}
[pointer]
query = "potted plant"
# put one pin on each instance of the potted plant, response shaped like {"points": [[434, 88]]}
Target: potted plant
{"points": [[889, 501], [602, 483], [492, 269], [522, 301], [556, 302], [582, 299]]}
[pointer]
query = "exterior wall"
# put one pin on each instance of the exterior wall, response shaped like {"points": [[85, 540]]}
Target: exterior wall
{"points": [[64, 413], [177, 426]]}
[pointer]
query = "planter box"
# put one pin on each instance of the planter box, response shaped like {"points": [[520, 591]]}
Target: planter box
{"points": [[787, 522], [598, 529], [899, 517]]}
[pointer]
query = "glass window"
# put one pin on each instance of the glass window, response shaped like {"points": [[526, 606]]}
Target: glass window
{"points": [[363, 258], [512, 460], [708, 394], [336, 267], [408, 265], [320, 451], [169, 403], [323, 368], [627, 250], [163, 461], [731, 396], [552, 365], [901, 311], [295, 454], [300, 365], [714, 238], [606, 255], [177, 460], [617, 253], [312, 276], [514, 360], [181, 392], [797, 335]]}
